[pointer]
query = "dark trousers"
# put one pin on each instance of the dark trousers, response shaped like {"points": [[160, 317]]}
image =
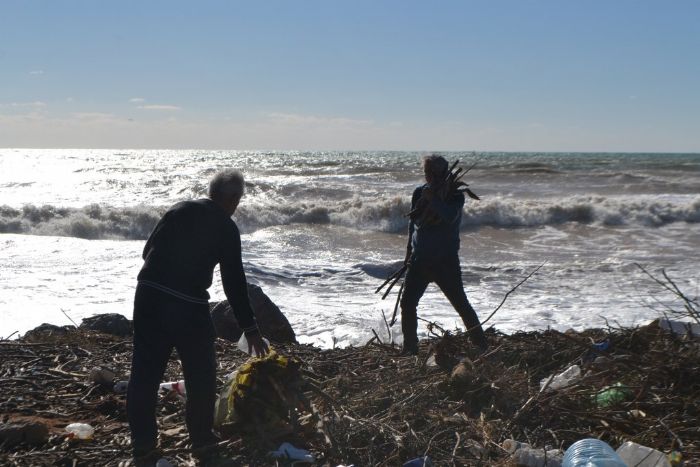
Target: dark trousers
{"points": [[447, 274], [163, 322]]}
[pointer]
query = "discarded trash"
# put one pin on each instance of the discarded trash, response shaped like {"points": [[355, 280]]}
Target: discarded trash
{"points": [[178, 387], [163, 462], [642, 456], [611, 395], [561, 380], [591, 452], [601, 346], [120, 387], [288, 451], [243, 346], [423, 461], [675, 458], [524, 454], [260, 394], [80, 430]]}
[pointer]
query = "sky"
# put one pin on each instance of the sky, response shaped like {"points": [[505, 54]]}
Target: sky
{"points": [[519, 75]]}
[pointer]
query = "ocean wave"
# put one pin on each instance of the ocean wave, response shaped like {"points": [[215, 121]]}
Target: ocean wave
{"points": [[90, 222], [645, 212], [384, 215]]}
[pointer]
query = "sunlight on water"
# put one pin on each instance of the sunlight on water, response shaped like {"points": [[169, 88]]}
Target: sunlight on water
{"points": [[320, 230]]}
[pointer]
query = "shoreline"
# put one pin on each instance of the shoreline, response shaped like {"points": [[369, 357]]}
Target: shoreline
{"points": [[366, 404]]}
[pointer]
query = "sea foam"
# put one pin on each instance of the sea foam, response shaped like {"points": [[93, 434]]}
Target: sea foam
{"points": [[382, 215]]}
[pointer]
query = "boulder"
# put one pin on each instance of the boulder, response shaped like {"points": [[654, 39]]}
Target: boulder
{"points": [[272, 322], [45, 330], [29, 432], [109, 323]]}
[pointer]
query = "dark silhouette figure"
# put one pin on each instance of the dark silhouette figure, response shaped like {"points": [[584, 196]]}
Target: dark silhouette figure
{"points": [[432, 253]]}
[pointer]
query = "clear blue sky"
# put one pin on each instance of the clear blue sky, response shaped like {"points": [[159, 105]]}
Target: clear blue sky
{"points": [[489, 75]]}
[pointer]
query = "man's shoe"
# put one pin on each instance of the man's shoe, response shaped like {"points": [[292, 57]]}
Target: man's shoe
{"points": [[409, 351]]}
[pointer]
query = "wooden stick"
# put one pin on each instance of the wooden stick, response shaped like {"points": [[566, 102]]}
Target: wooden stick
{"points": [[396, 307], [398, 278], [392, 276]]}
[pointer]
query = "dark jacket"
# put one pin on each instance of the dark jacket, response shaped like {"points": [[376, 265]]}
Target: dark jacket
{"points": [[438, 240], [185, 247]]}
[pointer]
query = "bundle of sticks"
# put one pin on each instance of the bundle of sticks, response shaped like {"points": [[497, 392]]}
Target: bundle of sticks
{"points": [[450, 186]]}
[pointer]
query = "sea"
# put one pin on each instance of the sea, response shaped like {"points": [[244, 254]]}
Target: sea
{"points": [[321, 231]]}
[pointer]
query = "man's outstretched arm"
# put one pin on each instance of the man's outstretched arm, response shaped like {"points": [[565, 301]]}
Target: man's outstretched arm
{"points": [[236, 290]]}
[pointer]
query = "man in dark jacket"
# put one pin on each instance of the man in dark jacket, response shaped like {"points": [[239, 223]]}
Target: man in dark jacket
{"points": [[171, 311], [432, 254]]}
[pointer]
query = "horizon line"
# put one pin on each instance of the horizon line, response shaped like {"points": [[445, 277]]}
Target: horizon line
{"points": [[481, 151]]}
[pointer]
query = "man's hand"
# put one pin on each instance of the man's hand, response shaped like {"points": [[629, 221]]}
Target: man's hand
{"points": [[257, 346]]}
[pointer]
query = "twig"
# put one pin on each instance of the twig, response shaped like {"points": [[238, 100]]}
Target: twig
{"points": [[388, 328], [392, 276], [71, 319], [505, 297], [396, 279], [459, 440], [8, 337], [396, 306]]}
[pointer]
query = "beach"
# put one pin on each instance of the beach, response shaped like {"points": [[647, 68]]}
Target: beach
{"points": [[369, 405]]}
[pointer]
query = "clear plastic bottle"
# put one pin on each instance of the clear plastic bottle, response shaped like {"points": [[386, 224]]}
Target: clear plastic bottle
{"points": [[591, 452], [80, 431], [561, 380], [243, 345], [524, 454], [642, 456]]}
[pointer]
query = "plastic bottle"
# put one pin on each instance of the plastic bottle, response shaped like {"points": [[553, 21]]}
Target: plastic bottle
{"points": [[642, 456], [524, 454], [591, 452], [80, 431], [243, 345], [611, 395], [177, 387], [564, 378]]}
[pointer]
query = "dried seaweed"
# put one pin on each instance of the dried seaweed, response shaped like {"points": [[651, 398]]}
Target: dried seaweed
{"points": [[370, 406]]}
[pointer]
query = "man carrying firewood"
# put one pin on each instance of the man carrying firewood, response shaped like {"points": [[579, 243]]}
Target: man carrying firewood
{"points": [[432, 254]]}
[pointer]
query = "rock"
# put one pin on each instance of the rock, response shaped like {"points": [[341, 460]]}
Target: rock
{"points": [[29, 432], [272, 322], [102, 376], [109, 323], [46, 330], [462, 374]]}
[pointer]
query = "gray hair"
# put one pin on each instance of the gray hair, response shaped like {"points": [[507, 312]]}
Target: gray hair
{"points": [[226, 184], [437, 164]]}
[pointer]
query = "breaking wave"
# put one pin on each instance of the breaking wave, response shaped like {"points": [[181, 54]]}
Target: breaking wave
{"points": [[90, 222], [384, 215]]}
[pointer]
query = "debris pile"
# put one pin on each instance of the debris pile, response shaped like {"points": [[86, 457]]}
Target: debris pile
{"points": [[368, 405]]}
